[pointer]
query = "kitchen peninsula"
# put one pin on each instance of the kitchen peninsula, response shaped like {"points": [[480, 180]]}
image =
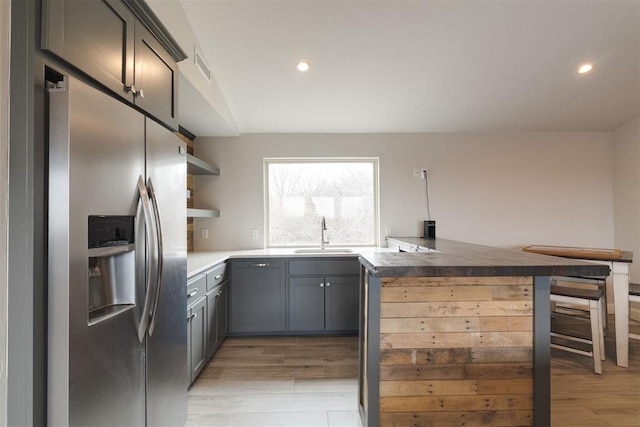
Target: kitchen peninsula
{"points": [[457, 333]]}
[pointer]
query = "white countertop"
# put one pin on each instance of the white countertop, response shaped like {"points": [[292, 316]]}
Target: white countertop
{"points": [[200, 261]]}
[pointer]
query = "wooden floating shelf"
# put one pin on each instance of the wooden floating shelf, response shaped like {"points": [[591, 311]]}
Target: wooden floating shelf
{"points": [[195, 166], [202, 213]]}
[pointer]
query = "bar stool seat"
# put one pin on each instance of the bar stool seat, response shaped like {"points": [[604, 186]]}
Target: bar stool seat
{"points": [[594, 299]]}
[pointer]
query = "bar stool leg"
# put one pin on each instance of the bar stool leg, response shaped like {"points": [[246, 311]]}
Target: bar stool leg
{"points": [[596, 331]]}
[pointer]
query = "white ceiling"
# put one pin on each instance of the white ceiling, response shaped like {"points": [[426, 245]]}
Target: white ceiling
{"points": [[422, 66]]}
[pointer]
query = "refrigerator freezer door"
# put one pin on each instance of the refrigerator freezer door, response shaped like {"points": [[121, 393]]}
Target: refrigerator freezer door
{"points": [[95, 373], [167, 381]]}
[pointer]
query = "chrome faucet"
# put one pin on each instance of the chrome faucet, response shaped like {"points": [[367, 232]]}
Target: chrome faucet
{"points": [[323, 228]]}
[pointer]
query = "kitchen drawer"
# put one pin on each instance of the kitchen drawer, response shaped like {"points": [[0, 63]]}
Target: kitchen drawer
{"points": [[324, 267], [196, 287], [216, 275]]}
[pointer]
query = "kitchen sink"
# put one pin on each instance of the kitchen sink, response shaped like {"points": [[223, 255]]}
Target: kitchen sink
{"points": [[323, 251]]}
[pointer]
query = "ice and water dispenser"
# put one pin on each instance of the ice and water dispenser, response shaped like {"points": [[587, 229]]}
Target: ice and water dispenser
{"points": [[112, 275]]}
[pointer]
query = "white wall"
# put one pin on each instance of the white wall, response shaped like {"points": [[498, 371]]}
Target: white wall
{"points": [[502, 189], [626, 194], [5, 38], [626, 190]]}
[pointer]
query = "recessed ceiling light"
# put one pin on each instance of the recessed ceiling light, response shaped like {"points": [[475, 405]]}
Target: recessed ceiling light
{"points": [[585, 68], [302, 66]]}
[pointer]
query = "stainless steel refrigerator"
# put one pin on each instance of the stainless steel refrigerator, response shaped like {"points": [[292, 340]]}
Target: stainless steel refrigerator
{"points": [[117, 344]]}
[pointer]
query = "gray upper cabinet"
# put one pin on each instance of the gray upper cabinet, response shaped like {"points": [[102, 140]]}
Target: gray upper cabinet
{"points": [[257, 297], [97, 37], [156, 78], [108, 41]]}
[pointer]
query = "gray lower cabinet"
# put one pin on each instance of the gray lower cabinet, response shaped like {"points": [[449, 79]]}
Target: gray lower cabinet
{"points": [[318, 304], [217, 325], [257, 297], [306, 304], [197, 336], [342, 302], [207, 324]]}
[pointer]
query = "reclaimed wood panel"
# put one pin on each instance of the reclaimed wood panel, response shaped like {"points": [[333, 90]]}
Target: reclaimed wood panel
{"points": [[456, 403], [190, 146], [448, 340], [387, 282], [456, 351], [457, 309], [508, 418]]}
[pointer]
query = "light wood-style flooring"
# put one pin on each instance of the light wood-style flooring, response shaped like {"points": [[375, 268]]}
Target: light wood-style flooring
{"points": [[312, 381]]}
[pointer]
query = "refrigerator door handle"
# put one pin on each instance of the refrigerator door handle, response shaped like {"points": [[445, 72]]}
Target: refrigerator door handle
{"points": [[151, 273], [159, 253]]}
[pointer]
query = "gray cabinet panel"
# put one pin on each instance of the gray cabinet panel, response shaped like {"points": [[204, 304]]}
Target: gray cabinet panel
{"points": [[222, 313], [257, 297], [96, 37], [156, 78], [217, 324], [341, 303], [198, 337], [216, 275], [212, 297], [306, 304], [324, 267]]}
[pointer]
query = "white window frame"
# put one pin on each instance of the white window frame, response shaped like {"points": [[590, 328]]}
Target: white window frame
{"points": [[375, 161]]}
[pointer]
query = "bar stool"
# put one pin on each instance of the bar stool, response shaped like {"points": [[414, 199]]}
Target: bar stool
{"points": [[593, 282], [634, 296], [594, 299]]}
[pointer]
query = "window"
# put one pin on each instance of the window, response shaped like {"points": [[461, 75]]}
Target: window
{"points": [[299, 192]]}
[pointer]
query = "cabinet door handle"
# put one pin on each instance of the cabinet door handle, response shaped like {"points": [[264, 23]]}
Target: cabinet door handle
{"points": [[141, 93], [321, 284], [217, 277], [328, 284], [262, 264], [132, 89], [192, 293]]}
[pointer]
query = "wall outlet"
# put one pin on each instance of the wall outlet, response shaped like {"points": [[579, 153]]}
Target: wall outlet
{"points": [[204, 233], [387, 231], [255, 234], [420, 173]]}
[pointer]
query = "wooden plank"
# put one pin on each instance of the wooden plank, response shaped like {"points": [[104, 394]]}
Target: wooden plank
{"points": [[512, 292], [427, 388], [454, 340], [456, 403], [575, 252], [422, 372], [498, 371], [428, 324], [457, 309], [505, 386], [509, 418], [459, 281], [506, 323], [422, 356], [498, 355], [435, 293]]}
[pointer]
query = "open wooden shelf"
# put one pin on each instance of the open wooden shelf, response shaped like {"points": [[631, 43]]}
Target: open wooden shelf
{"points": [[195, 166], [202, 213]]}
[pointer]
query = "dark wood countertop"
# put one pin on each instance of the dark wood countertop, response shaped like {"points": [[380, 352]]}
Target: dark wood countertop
{"points": [[454, 258]]}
